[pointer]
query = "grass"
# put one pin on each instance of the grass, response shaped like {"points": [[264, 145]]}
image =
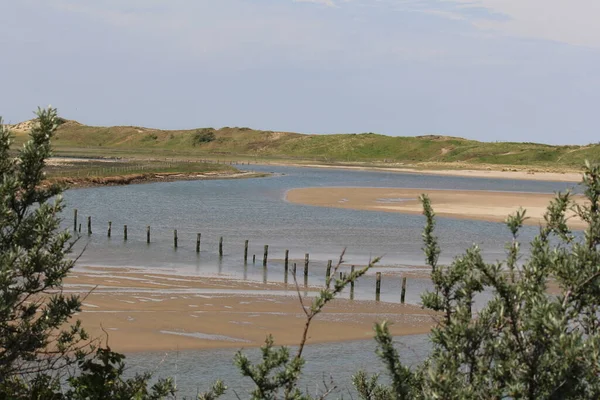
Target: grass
{"points": [[73, 138], [81, 170]]}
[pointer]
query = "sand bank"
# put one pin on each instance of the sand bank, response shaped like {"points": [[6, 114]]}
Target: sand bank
{"points": [[525, 174], [478, 205], [144, 311]]}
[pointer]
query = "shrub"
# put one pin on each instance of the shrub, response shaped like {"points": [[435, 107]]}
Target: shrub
{"points": [[38, 343], [204, 135], [525, 343]]}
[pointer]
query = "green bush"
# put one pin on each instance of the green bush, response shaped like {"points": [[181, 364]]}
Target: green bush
{"points": [[205, 135], [38, 344]]}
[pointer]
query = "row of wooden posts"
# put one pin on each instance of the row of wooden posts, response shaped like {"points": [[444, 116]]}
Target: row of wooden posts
{"points": [[77, 227]]}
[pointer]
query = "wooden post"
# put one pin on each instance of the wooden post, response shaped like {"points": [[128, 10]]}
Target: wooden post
{"points": [[403, 293], [352, 284], [286, 260], [306, 266], [253, 258], [328, 273], [75, 220], [378, 287], [198, 238], [175, 238], [266, 255], [246, 251], [148, 234], [89, 225], [221, 247], [124, 232], [285, 268], [294, 269], [79, 228], [109, 228]]}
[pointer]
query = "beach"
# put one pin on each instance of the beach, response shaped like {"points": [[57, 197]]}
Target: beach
{"points": [[137, 310], [464, 204], [460, 170]]}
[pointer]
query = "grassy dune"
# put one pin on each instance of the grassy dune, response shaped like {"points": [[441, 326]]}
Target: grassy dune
{"points": [[75, 138]]}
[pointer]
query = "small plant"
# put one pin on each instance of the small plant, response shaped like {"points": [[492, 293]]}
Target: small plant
{"points": [[276, 376]]}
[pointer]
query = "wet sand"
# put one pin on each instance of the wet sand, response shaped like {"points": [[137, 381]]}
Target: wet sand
{"points": [[440, 170], [477, 205], [144, 311]]}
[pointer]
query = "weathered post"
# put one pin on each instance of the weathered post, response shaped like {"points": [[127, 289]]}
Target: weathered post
{"points": [[352, 284], [175, 238], [148, 234], [109, 228], [266, 255], [306, 267], [328, 273], [246, 251], [285, 271], [198, 238], [403, 293], [124, 232], [89, 224], [286, 260], [79, 228], [221, 247], [294, 270], [253, 258], [75, 220], [378, 287]]}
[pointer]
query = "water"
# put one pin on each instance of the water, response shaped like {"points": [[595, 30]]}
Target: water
{"points": [[255, 209], [197, 370]]}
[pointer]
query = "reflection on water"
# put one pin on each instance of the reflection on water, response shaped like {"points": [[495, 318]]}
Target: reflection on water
{"points": [[197, 370]]}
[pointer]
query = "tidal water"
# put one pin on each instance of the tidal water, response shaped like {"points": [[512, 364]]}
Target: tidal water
{"points": [[195, 371], [256, 210]]}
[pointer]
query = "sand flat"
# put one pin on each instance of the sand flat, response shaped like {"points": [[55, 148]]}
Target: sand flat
{"points": [[142, 311], [477, 205], [439, 170]]}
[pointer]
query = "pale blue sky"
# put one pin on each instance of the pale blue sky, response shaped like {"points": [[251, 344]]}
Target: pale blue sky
{"points": [[523, 70]]}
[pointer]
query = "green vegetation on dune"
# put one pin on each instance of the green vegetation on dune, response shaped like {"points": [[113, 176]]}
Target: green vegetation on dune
{"points": [[364, 147]]}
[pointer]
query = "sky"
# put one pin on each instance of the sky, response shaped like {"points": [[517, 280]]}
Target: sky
{"points": [[491, 70]]}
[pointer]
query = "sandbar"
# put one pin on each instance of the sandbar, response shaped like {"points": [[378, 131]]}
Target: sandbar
{"points": [[459, 170], [463, 204], [139, 311]]}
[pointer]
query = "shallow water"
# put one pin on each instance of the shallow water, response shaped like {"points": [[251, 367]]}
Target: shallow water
{"points": [[197, 370], [255, 209]]}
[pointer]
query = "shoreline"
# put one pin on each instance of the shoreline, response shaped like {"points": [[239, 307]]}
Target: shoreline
{"points": [[487, 206], [138, 310], [527, 174], [138, 179]]}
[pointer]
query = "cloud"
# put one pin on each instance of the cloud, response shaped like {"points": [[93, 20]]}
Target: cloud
{"points": [[328, 3], [573, 22]]}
